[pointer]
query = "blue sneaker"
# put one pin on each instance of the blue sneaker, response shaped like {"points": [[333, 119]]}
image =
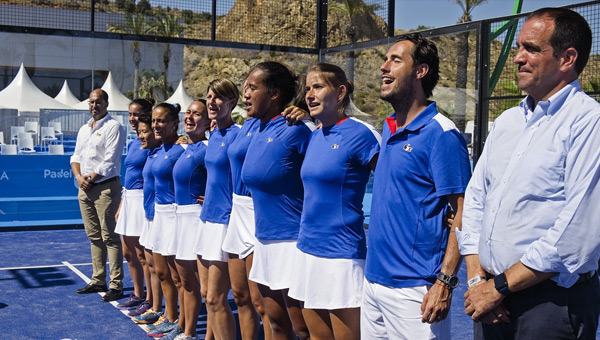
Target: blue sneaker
{"points": [[173, 333], [131, 303], [147, 318], [140, 309], [156, 324], [163, 329]]}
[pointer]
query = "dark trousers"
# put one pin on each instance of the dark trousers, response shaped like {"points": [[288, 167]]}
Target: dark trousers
{"points": [[547, 311]]}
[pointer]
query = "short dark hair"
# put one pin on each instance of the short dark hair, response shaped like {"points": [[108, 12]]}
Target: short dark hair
{"points": [[425, 52], [144, 104], [570, 30], [281, 77], [172, 110], [146, 118]]}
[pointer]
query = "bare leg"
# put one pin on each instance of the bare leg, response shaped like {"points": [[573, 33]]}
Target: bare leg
{"points": [[154, 283], [220, 315], [177, 281], [257, 299], [294, 310], [346, 323], [141, 255], [167, 285], [248, 317], [281, 326], [318, 323], [135, 267], [191, 291], [203, 278]]}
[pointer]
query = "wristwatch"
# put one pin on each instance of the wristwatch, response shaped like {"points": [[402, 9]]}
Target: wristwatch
{"points": [[501, 284], [89, 180], [450, 281]]}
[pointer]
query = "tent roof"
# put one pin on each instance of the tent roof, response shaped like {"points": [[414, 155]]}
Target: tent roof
{"points": [[23, 95], [67, 97], [181, 97], [116, 100]]}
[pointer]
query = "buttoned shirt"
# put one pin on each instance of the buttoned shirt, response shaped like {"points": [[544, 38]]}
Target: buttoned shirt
{"points": [[99, 149], [534, 192]]}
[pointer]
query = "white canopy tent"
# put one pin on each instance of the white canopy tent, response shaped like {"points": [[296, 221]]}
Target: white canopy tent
{"points": [[116, 100], [181, 97], [22, 94], [67, 97]]}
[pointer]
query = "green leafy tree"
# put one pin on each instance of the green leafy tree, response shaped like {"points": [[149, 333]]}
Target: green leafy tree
{"points": [[167, 25], [136, 24], [462, 63]]}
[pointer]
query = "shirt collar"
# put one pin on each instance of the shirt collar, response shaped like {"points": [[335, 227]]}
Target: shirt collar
{"points": [[551, 106], [420, 120], [100, 122]]}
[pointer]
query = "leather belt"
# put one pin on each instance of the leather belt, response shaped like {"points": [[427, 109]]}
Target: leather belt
{"points": [[112, 179]]}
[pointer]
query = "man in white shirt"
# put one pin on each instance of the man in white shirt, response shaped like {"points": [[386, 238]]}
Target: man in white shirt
{"points": [[96, 165], [530, 217]]}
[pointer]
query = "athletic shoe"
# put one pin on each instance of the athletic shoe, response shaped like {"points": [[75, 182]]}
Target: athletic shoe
{"points": [[173, 333], [150, 316], [112, 295], [164, 328], [131, 303], [141, 309], [182, 336], [156, 324]]}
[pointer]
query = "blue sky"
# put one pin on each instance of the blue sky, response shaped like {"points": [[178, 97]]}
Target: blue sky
{"points": [[439, 13]]}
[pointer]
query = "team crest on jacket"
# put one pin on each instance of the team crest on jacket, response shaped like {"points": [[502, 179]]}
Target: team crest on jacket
{"points": [[249, 134], [269, 140], [222, 144], [407, 147], [335, 146]]}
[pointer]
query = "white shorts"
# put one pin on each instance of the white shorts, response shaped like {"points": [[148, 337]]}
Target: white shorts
{"points": [[131, 215], [209, 242], [240, 237], [395, 313], [163, 228], [327, 283], [273, 263], [184, 239], [145, 236]]}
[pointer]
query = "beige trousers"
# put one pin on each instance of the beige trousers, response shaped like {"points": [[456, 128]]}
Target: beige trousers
{"points": [[98, 208]]}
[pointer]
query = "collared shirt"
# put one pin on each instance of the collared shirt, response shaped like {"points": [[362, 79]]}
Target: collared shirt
{"points": [[335, 173], [219, 197], [418, 166], [134, 163], [534, 193], [272, 172], [99, 149]]}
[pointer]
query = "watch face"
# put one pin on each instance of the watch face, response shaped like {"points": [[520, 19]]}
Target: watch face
{"points": [[453, 282]]}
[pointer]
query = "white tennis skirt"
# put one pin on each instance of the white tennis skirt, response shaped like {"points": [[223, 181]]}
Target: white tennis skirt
{"points": [[326, 283], [273, 263], [240, 237], [131, 215], [145, 235], [209, 242], [163, 228], [188, 225]]}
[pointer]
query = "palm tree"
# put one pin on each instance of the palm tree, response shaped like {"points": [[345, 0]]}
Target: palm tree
{"points": [[349, 9], [167, 25], [462, 62], [133, 25]]}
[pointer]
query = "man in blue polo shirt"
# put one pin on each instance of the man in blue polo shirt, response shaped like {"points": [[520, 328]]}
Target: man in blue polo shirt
{"points": [[412, 257]]}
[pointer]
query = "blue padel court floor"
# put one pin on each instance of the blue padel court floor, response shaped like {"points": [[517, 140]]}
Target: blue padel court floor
{"points": [[40, 271]]}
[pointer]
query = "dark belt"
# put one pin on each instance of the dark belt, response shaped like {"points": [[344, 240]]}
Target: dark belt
{"points": [[112, 179]]}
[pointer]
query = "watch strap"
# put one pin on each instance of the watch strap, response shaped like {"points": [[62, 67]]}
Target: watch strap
{"points": [[501, 284]]}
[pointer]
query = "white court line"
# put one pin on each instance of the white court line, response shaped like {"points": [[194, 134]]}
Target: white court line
{"points": [[48, 266], [87, 280]]}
